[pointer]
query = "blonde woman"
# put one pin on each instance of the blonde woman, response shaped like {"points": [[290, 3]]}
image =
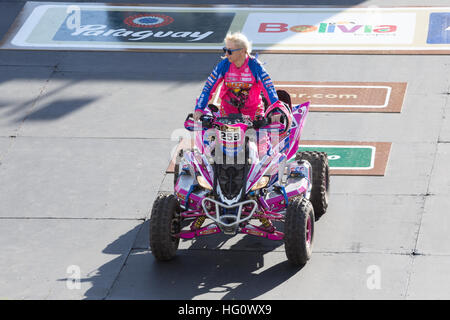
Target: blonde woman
{"points": [[244, 79]]}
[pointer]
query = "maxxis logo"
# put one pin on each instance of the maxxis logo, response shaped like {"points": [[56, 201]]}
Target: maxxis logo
{"points": [[149, 20]]}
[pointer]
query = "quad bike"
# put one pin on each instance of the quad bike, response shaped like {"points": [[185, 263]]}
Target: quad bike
{"points": [[241, 171]]}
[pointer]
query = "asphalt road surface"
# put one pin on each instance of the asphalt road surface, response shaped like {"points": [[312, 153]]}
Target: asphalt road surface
{"points": [[86, 137]]}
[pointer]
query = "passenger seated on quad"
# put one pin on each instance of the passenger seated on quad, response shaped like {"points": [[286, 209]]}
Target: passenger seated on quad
{"points": [[244, 80]]}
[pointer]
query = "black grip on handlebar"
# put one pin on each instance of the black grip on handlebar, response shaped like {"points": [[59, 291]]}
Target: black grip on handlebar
{"points": [[190, 115], [213, 107], [260, 122], [206, 121]]}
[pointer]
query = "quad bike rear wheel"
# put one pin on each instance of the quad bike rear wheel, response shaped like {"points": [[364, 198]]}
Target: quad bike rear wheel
{"points": [[320, 180], [299, 231], [164, 226]]}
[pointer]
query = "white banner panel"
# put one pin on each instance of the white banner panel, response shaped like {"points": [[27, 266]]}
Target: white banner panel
{"points": [[294, 29]]}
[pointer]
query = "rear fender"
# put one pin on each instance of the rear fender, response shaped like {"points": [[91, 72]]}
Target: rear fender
{"points": [[299, 113], [277, 202]]}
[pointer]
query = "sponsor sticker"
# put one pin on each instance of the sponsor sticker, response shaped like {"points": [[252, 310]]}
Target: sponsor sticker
{"points": [[207, 232], [255, 232]]}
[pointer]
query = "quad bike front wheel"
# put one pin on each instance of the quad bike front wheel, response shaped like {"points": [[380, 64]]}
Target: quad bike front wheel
{"points": [[320, 180], [164, 226], [299, 231]]}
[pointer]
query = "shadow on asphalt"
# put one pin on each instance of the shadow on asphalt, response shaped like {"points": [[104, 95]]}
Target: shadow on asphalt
{"points": [[46, 69], [204, 268]]}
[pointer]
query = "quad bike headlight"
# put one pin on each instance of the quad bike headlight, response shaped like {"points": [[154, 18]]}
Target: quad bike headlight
{"points": [[262, 182], [203, 183]]}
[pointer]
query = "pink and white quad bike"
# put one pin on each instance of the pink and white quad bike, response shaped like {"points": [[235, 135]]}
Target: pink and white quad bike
{"points": [[241, 171]]}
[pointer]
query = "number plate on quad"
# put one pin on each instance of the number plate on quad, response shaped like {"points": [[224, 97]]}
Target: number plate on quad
{"points": [[230, 136]]}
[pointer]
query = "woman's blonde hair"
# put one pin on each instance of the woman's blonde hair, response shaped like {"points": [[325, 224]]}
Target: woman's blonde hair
{"points": [[240, 40]]}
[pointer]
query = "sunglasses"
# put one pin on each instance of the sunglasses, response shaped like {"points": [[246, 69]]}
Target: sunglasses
{"points": [[230, 51]]}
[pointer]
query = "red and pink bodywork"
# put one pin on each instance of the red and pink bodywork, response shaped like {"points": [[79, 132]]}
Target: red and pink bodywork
{"points": [[206, 188]]}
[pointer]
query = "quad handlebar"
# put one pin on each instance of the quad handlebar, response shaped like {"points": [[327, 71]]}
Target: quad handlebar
{"points": [[214, 121], [208, 121]]}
